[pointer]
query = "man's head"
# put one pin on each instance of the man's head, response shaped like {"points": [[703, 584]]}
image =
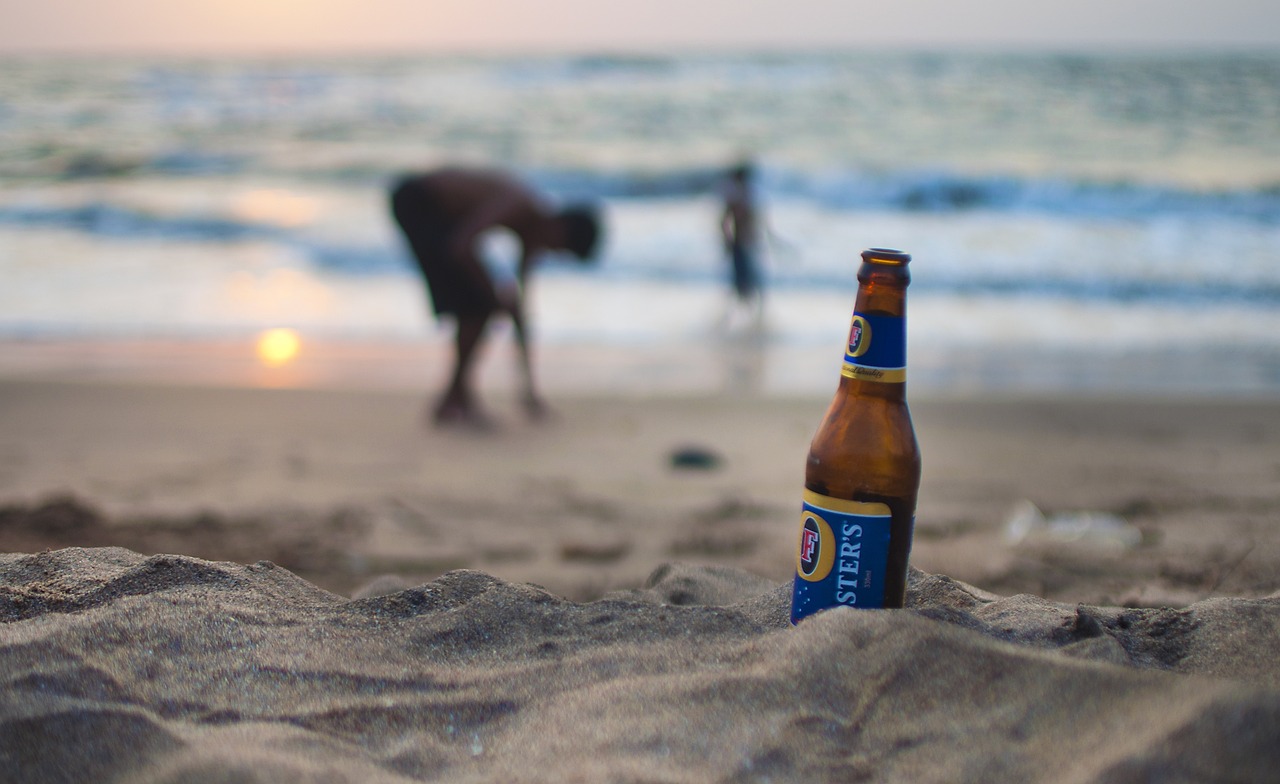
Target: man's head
{"points": [[581, 227]]}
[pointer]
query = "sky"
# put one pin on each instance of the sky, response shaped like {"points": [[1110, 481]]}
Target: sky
{"points": [[428, 26]]}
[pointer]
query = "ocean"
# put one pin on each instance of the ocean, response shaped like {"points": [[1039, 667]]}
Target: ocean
{"points": [[1084, 222]]}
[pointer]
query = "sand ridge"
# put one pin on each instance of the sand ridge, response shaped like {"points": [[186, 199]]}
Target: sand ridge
{"points": [[168, 668]]}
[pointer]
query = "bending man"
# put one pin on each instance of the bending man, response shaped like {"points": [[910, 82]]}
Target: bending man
{"points": [[443, 214]]}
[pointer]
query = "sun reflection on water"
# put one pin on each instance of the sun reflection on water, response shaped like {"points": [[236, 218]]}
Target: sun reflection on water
{"points": [[277, 347]]}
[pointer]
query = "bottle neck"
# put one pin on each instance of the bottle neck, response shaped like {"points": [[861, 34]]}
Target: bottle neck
{"points": [[882, 288], [875, 361]]}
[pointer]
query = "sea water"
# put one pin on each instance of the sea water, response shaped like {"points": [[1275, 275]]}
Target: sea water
{"points": [[1094, 222]]}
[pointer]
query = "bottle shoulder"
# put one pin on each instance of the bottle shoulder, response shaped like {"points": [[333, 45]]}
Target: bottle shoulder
{"points": [[865, 446]]}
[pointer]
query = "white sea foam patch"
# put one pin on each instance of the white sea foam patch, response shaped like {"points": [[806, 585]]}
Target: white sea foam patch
{"points": [[1017, 252], [1059, 323], [71, 282], [58, 283], [584, 310]]}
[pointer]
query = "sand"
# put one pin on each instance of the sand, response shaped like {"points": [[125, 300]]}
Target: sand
{"points": [[214, 584]]}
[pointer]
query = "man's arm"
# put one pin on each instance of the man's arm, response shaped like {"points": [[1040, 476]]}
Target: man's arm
{"points": [[727, 223], [532, 401], [503, 209], [509, 207], [532, 245]]}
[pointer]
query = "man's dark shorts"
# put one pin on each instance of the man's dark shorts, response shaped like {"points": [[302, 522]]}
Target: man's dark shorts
{"points": [[746, 275], [429, 233]]}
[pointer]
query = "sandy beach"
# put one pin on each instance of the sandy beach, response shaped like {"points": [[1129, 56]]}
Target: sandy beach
{"points": [[209, 583]]}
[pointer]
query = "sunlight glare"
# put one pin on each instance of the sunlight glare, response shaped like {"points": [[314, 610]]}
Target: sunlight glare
{"points": [[278, 347], [277, 206]]}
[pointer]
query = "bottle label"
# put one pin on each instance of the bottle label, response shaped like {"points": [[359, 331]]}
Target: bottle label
{"points": [[877, 349], [842, 555]]}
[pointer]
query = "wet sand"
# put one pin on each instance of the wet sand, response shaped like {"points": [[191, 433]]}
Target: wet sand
{"points": [[342, 486]]}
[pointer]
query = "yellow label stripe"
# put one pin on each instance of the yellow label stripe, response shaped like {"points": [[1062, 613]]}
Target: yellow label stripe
{"points": [[884, 375], [869, 509]]}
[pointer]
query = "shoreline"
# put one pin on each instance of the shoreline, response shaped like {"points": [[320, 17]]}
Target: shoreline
{"points": [[735, 364]]}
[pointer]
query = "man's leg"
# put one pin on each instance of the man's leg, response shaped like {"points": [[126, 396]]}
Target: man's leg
{"points": [[458, 404]]}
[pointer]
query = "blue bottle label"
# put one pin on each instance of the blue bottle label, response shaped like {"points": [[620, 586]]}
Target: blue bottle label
{"points": [[877, 349], [842, 555]]}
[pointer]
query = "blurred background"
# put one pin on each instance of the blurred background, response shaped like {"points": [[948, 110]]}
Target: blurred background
{"points": [[1091, 191]]}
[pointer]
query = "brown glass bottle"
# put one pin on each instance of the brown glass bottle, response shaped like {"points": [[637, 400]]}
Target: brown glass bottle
{"points": [[863, 470]]}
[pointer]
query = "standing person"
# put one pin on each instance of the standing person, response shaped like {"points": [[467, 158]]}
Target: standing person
{"points": [[443, 214], [739, 227]]}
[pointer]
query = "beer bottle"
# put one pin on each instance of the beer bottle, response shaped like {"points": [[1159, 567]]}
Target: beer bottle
{"points": [[863, 470]]}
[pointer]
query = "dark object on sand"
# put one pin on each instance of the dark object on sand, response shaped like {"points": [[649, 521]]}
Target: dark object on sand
{"points": [[697, 458]]}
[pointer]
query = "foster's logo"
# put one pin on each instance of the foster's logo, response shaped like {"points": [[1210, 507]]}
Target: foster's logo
{"points": [[859, 336], [817, 548]]}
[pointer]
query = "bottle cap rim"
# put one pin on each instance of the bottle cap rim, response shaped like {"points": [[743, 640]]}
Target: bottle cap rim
{"points": [[885, 256]]}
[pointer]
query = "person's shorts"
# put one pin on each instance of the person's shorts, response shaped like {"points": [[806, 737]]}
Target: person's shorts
{"points": [[429, 233], [746, 276]]}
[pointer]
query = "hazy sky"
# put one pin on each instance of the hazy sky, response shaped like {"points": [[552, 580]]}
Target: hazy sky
{"points": [[201, 26]]}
